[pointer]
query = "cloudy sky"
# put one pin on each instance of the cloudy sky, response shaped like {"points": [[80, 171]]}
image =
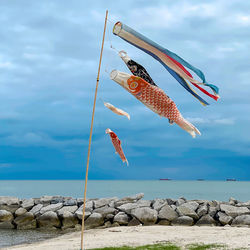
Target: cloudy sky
{"points": [[49, 53]]}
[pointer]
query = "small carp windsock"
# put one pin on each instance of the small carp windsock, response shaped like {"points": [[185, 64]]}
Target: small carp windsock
{"points": [[135, 68], [116, 110], [154, 98], [117, 144]]}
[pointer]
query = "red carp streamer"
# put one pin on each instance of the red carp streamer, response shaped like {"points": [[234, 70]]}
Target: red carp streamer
{"points": [[154, 98], [116, 110], [117, 144]]}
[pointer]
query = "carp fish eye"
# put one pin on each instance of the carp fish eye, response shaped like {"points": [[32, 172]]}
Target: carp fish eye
{"points": [[135, 84]]}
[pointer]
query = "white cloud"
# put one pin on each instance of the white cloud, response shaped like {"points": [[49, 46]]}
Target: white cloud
{"points": [[6, 65], [224, 121]]}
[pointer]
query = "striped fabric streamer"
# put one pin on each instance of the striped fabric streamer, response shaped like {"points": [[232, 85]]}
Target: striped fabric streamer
{"points": [[172, 62]]}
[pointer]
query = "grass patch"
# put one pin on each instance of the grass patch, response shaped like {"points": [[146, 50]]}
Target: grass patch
{"points": [[203, 246], [166, 246]]}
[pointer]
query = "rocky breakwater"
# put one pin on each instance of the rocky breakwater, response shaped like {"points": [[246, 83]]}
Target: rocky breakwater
{"points": [[56, 212]]}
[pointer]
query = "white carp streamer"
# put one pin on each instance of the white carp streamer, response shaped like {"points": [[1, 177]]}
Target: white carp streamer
{"points": [[116, 110]]}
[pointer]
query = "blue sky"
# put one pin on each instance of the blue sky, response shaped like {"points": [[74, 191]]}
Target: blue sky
{"points": [[49, 54]]}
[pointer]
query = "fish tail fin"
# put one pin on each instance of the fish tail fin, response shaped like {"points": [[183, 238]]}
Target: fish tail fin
{"points": [[126, 162], [128, 116], [189, 127]]}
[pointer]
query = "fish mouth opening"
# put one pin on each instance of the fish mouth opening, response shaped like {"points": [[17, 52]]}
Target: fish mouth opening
{"points": [[108, 130], [113, 74], [117, 28]]}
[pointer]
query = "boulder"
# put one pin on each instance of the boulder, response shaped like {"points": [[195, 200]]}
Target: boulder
{"points": [[110, 216], [187, 210], [88, 207], [232, 201], [128, 207], [130, 199], [121, 218], [6, 225], [183, 221], [79, 201], [213, 210], [170, 201], [70, 202], [49, 220], [202, 210], [206, 220], [179, 202], [234, 211], [167, 213], [79, 214], [28, 203], [158, 204], [94, 220], [104, 211], [46, 200], [25, 221], [52, 208], [164, 222], [57, 199], [134, 222], [68, 220], [20, 211], [146, 215], [71, 209], [5, 216], [36, 209], [102, 202], [243, 204], [191, 204], [241, 220], [224, 219], [8, 203]]}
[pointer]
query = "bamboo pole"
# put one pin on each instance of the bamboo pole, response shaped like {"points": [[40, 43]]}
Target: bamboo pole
{"points": [[91, 131]]}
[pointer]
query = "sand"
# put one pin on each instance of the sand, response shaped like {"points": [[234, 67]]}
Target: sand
{"points": [[232, 237]]}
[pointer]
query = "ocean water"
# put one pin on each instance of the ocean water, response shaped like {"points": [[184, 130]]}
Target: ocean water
{"points": [[209, 190]]}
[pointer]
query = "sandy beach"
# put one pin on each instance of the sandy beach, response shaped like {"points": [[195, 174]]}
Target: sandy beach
{"points": [[232, 237]]}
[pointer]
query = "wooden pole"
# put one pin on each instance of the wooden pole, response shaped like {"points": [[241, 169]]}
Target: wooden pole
{"points": [[91, 131]]}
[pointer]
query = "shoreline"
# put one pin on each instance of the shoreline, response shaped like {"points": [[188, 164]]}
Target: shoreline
{"points": [[182, 236]]}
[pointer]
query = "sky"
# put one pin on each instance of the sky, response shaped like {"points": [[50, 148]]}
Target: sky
{"points": [[49, 54]]}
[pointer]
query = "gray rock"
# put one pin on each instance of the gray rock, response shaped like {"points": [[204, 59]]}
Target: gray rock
{"points": [[212, 211], [45, 200], [5, 216], [121, 218], [79, 201], [170, 201], [57, 199], [71, 209], [183, 221], [173, 206], [146, 215], [79, 214], [232, 201], [52, 207], [7, 200], [48, 220], [6, 225], [179, 202], [70, 202], [167, 213], [36, 209], [191, 204], [206, 220], [110, 216], [144, 203], [187, 210], [28, 203], [243, 204], [134, 222], [94, 220], [130, 199], [234, 211], [159, 203], [20, 211], [102, 202], [242, 220], [128, 207], [202, 210], [25, 221], [68, 220], [224, 219], [164, 222], [105, 210]]}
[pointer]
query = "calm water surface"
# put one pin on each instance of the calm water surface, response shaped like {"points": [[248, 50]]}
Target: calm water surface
{"points": [[210, 190]]}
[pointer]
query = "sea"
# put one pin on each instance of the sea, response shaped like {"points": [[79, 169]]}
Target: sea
{"points": [[152, 189]]}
